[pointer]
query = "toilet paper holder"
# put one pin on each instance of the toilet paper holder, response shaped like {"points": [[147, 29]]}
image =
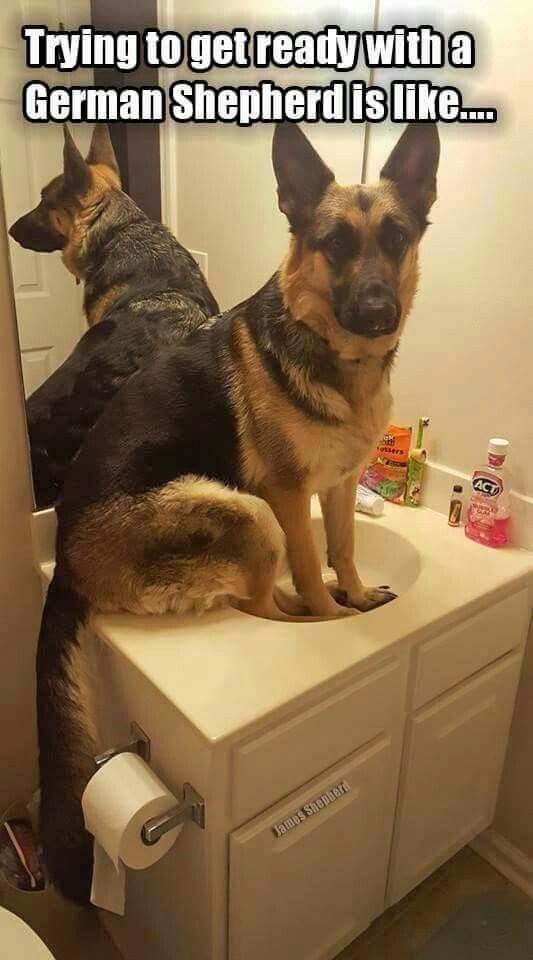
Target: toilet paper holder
{"points": [[191, 806], [139, 743]]}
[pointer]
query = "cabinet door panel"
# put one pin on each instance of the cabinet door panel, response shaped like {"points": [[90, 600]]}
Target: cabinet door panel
{"points": [[307, 893], [453, 760], [269, 767]]}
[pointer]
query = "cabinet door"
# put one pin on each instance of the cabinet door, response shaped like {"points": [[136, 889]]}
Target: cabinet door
{"points": [[453, 760], [309, 875]]}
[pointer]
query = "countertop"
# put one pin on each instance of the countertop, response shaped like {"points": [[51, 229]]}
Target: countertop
{"points": [[226, 670]]}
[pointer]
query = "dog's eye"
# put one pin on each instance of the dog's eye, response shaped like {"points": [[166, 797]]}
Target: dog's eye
{"points": [[401, 238], [394, 238], [342, 243], [335, 248], [398, 238]]}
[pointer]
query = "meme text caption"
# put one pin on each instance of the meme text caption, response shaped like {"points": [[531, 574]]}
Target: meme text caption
{"points": [[196, 101]]}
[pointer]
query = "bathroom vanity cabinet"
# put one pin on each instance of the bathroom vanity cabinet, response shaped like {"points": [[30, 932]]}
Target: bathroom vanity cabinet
{"points": [[340, 763], [310, 892]]}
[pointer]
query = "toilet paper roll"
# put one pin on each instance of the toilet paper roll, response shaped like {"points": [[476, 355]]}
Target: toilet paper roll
{"points": [[117, 801]]}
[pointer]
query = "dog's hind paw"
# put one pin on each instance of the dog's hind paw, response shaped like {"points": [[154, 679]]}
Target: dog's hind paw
{"points": [[291, 603]]}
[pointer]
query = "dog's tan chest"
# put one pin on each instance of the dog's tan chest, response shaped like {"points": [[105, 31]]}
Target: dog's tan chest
{"points": [[282, 446], [317, 454], [343, 450], [337, 452]]}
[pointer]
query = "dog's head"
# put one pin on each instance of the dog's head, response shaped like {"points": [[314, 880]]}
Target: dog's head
{"points": [[352, 270], [71, 198]]}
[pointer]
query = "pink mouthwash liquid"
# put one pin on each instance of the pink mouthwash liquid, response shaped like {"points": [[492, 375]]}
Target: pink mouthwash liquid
{"points": [[488, 511]]}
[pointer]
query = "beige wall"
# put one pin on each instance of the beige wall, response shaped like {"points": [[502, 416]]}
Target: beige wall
{"points": [[514, 818], [20, 596], [465, 358]]}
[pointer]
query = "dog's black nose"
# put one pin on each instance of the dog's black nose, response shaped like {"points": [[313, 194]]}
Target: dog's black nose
{"points": [[377, 310], [31, 234], [19, 232]]}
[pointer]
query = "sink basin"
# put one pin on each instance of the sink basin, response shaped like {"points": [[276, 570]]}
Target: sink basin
{"points": [[383, 556]]}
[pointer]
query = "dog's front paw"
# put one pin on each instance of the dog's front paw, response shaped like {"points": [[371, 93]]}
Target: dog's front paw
{"points": [[295, 606], [370, 598], [374, 597]]}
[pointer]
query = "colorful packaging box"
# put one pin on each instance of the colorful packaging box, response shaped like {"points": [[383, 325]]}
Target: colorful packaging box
{"points": [[386, 473]]}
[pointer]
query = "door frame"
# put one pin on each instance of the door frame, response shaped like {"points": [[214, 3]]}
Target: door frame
{"points": [[168, 134], [137, 145]]}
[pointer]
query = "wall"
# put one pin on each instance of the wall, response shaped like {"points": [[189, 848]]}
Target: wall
{"points": [[20, 595], [514, 819], [465, 358]]}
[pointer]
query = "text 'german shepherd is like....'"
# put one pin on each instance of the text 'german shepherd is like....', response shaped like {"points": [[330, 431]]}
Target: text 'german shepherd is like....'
{"points": [[202, 467]]}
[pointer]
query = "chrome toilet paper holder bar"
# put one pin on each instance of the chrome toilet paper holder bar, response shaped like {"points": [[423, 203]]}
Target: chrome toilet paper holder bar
{"points": [[191, 806], [139, 744]]}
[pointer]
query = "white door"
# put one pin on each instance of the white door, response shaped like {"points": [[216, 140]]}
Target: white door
{"points": [[49, 305], [309, 875], [452, 768]]}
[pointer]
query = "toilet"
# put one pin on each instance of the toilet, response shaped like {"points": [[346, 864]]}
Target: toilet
{"points": [[19, 940]]}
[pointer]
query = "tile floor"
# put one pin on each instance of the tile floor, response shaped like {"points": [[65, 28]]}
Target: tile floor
{"points": [[73, 932], [405, 928]]}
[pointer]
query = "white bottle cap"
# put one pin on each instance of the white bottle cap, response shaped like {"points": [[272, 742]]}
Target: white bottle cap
{"points": [[498, 446]]}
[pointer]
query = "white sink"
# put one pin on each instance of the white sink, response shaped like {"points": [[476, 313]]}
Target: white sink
{"points": [[384, 556], [226, 669]]}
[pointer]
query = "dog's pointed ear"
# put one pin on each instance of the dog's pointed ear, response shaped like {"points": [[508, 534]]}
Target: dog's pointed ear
{"points": [[412, 166], [101, 149], [301, 175], [76, 173]]}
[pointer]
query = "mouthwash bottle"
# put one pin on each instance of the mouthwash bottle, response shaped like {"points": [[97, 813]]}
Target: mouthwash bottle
{"points": [[488, 511]]}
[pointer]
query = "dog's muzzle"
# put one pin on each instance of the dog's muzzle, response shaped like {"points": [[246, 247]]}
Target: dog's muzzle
{"points": [[376, 311], [31, 234]]}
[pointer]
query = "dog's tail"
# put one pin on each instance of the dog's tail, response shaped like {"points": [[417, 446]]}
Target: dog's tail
{"points": [[66, 742]]}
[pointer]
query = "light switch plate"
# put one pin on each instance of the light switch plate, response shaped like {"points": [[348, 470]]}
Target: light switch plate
{"points": [[201, 260]]}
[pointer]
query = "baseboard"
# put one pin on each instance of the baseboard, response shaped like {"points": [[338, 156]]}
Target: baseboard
{"points": [[506, 858]]}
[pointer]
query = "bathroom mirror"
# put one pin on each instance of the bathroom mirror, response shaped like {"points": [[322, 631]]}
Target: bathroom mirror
{"points": [[168, 184], [48, 297], [48, 301]]}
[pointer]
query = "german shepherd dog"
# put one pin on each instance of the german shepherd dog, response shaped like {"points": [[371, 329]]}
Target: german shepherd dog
{"points": [[203, 465], [142, 290]]}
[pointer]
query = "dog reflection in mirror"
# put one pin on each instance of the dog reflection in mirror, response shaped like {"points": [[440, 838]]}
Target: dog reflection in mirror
{"points": [[142, 289]]}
